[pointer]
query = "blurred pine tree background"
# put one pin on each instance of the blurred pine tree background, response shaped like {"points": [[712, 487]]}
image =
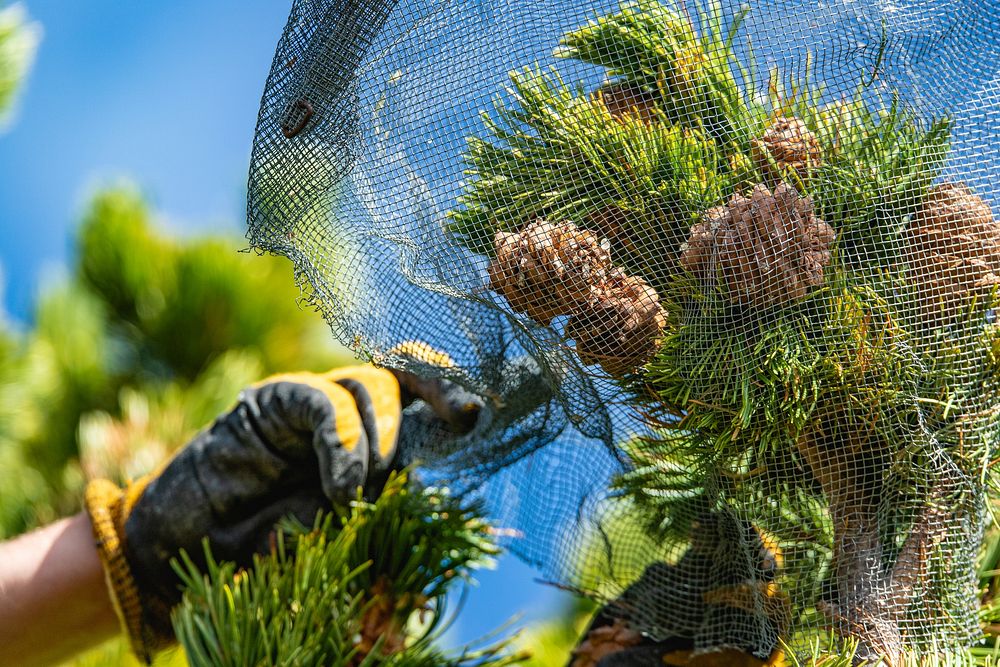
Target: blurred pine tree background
{"points": [[145, 341]]}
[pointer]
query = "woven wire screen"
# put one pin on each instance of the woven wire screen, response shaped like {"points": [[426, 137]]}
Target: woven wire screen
{"points": [[724, 275]]}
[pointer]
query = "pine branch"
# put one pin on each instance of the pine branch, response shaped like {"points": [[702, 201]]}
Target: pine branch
{"points": [[557, 153], [877, 170], [807, 404], [364, 586], [656, 48]]}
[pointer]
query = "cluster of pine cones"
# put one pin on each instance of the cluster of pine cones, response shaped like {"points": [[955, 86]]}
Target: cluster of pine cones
{"points": [[551, 269], [767, 248]]}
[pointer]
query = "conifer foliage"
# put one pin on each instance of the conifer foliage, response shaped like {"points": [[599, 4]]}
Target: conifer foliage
{"points": [[814, 350], [363, 586]]}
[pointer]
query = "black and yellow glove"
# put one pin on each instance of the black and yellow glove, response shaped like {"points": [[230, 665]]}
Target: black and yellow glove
{"points": [[293, 445]]}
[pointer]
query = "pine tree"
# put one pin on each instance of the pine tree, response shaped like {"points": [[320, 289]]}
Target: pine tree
{"points": [[812, 369]]}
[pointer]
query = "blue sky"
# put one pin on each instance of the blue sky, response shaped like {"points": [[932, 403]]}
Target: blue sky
{"points": [[166, 95], [163, 93]]}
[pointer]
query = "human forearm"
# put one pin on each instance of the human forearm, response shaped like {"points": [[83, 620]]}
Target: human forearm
{"points": [[53, 599]]}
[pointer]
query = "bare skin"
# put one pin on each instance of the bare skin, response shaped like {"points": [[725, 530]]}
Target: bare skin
{"points": [[53, 599]]}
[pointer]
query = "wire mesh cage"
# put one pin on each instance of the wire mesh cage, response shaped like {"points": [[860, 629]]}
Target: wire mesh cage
{"points": [[724, 275]]}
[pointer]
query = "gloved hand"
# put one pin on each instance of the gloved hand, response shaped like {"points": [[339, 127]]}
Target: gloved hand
{"points": [[292, 446]]}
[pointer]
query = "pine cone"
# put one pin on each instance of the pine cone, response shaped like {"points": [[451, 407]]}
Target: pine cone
{"points": [[786, 144], [602, 642], [768, 248], [623, 98], [548, 269], [619, 326], [381, 621], [954, 250]]}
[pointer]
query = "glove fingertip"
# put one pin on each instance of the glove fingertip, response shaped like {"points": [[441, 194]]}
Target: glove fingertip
{"points": [[341, 470]]}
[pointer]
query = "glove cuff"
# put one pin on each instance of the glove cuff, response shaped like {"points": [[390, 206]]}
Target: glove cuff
{"points": [[108, 507]]}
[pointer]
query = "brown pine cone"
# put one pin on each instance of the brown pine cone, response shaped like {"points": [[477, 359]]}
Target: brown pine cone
{"points": [[381, 621], [954, 251], [602, 642], [768, 248], [699, 250], [786, 144], [619, 326], [547, 269], [623, 98]]}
